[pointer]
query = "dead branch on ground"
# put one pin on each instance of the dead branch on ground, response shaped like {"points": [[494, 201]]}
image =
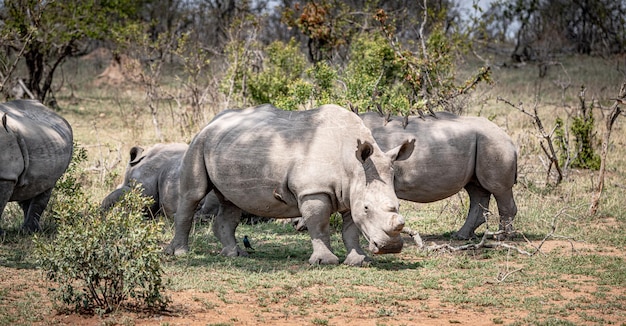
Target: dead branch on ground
{"points": [[496, 244]]}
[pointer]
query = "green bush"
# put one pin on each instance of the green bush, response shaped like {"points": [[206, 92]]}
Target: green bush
{"points": [[104, 261], [582, 129]]}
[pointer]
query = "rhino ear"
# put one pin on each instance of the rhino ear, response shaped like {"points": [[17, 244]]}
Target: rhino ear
{"points": [[403, 151], [363, 150], [135, 155]]}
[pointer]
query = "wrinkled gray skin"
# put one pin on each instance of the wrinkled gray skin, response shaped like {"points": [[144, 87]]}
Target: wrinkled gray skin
{"points": [[277, 163], [451, 153], [157, 170], [35, 150]]}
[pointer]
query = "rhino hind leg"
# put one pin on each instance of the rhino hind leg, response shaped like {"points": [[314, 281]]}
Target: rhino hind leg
{"points": [[224, 226], [350, 233], [33, 209], [479, 201], [507, 209], [316, 212], [183, 221]]}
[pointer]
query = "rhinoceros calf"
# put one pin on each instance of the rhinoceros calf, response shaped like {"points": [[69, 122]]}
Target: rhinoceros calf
{"points": [[277, 163], [453, 152], [35, 150], [157, 170]]}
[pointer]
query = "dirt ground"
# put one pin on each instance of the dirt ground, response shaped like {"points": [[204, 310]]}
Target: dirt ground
{"points": [[201, 308]]}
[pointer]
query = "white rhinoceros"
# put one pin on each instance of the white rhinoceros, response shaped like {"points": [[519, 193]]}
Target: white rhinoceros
{"points": [[277, 163], [453, 152], [157, 170], [35, 150]]}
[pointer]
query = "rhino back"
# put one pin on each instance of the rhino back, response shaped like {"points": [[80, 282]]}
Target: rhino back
{"points": [[446, 153], [48, 145], [255, 155]]}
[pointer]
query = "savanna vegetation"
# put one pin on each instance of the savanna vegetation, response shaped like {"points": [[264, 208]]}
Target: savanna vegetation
{"points": [[129, 73]]}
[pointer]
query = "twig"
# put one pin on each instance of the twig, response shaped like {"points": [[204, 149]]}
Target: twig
{"points": [[415, 235], [502, 276], [550, 151]]}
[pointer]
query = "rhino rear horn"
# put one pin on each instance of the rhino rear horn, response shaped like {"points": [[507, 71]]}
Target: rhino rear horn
{"points": [[135, 155], [363, 150]]}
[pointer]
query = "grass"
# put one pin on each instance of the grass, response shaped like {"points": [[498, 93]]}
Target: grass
{"points": [[579, 278]]}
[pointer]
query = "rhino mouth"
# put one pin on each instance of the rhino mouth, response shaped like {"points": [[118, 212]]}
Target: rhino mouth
{"points": [[389, 248]]}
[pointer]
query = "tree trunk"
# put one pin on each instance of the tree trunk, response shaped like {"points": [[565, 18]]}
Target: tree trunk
{"points": [[35, 64]]}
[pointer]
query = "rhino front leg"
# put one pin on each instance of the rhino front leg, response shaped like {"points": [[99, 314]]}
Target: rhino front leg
{"points": [[350, 234], [224, 226], [33, 208], [479, 198], [316, 212]]}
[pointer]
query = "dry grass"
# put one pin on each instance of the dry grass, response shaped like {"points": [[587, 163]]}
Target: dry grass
{"points": [[577, 279]]}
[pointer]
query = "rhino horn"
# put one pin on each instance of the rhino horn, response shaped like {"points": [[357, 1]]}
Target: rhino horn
{"points": [[135, 155]]}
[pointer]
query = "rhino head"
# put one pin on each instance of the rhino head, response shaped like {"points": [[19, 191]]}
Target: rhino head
{"points": [[373, 202]]}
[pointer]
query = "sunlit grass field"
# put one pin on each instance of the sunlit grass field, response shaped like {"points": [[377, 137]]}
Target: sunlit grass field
{"points": [[578, 276]]}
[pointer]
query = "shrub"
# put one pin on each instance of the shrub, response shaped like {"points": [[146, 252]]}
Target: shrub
{"points": [[105, 260], [582, 129]]}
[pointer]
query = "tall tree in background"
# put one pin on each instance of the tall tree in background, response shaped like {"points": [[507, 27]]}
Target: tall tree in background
{"points": [[556, 26], [46, 33]]}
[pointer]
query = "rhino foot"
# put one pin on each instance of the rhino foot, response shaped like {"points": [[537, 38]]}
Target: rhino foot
{"points": [[176, 250], [324, 259], [356, 259], [233, 252], [462, 236], [30, 228]]}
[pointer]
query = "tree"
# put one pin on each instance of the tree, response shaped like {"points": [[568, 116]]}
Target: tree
{"points": [[550, 26], [45, 33]]}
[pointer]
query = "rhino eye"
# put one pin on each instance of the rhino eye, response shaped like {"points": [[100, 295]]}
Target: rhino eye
{"points": [[366, 208]]}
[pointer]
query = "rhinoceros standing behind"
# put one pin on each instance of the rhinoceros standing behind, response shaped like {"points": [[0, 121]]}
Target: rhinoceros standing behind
{"points": [[453, 152], [157, 170], [277, 163], [35, 150]]}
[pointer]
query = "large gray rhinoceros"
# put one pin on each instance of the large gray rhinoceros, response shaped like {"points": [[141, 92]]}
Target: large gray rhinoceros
{"points": [[35, 150], [277, 163], [453, 152], [157, 170]]}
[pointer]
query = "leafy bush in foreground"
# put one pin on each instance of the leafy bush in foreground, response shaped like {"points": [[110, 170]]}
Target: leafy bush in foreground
{"points": [[105, 260]]}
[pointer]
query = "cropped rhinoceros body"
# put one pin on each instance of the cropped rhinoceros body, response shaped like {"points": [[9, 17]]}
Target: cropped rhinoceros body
{"points": [[157, 170], [451, 153], [35, 150], [277, 163]]}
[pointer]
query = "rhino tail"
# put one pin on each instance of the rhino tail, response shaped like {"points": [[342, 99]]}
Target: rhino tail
{"points": [[283, 194]]}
